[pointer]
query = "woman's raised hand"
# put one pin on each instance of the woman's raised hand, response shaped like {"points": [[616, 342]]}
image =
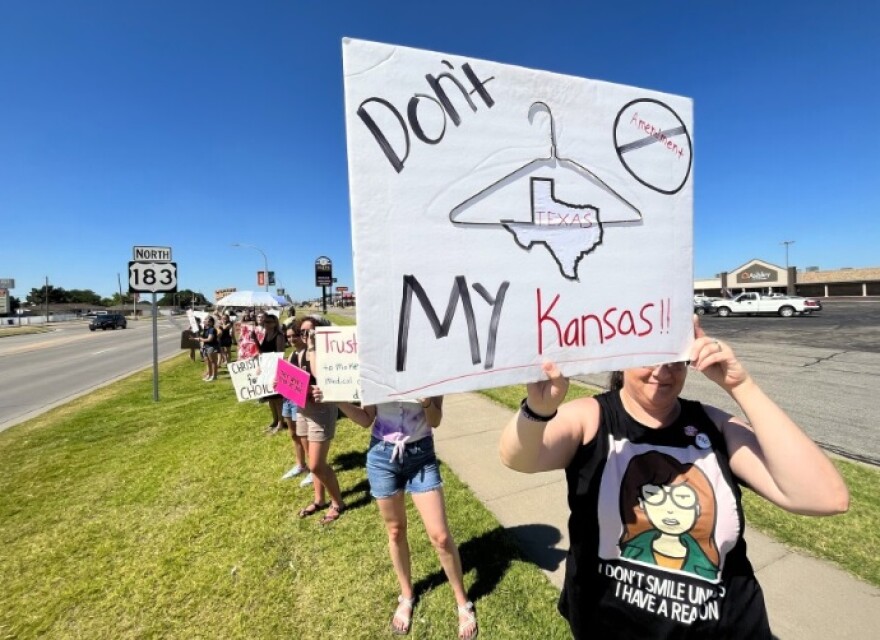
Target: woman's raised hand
{"points": [[716, 360], [545, 396]]}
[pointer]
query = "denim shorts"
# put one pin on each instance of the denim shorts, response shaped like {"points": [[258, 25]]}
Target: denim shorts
{"points": [[288, 409], [417, 472]]}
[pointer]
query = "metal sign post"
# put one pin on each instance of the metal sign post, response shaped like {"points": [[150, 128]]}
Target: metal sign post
{"points": [[157, 274], [155, 350]]}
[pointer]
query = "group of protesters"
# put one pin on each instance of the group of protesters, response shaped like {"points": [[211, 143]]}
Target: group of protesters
{"points": [[214, 336], [400, 458], [669, 509]]}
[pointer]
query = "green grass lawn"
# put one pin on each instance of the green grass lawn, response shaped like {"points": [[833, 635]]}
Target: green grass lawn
{"points": [[125, 518], [851, 540]]}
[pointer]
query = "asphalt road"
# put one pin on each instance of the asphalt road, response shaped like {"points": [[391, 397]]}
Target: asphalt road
{"points": [[823, 369], [45, 370], [842, 325]]}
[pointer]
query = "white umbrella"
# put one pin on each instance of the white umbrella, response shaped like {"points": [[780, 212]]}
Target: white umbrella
{"points": [[248, 299]]}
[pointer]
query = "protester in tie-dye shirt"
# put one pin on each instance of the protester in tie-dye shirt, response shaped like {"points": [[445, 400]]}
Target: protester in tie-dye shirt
{"points": [[401, 459]]}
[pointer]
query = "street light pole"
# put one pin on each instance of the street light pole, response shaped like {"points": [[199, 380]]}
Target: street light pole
{"points": [[265, 261], [789, 287], [786, 243]]}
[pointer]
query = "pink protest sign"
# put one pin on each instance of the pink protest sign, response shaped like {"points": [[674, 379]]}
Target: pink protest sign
{"points": [[292, 383]]}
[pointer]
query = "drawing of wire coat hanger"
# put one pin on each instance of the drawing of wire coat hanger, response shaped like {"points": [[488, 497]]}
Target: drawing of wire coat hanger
{"points": [[545, 165]]}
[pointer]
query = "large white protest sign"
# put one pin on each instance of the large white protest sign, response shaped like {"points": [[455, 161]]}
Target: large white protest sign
{"points": [[503, 216], [336, 353]]}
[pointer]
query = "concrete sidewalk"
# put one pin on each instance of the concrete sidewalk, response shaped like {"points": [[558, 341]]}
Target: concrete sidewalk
{"points": [[806, 598]]}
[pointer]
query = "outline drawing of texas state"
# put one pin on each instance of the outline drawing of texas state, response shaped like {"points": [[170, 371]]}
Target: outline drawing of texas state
{"points": [[569, 231]]}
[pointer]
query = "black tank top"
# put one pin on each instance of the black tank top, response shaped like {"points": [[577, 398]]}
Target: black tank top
{"points": [[665, 558], [270, 344]]}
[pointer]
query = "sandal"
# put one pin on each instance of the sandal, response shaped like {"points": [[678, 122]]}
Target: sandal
{"points": [[332, 514], [466, 618], [403, 605], [311, 509]]}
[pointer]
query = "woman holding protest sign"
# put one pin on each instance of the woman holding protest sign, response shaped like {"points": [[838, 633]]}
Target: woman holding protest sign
{"points": [[401, 459], [271, 340], [289, 411], [656, 524], [247, 339], [225, 328], [317, 423], [210, 342]]}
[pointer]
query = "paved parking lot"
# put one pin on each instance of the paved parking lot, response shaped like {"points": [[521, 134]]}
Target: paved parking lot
{"points": [[823, 369], [843, 324]]}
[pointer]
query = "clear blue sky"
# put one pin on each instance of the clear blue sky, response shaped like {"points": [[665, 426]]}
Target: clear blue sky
{"points": [[198, 124]]}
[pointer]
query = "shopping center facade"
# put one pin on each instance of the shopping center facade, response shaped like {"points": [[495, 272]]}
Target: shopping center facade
{"points": [[760, 275]]}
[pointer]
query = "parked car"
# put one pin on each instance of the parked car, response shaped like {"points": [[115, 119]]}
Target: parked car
{"points": [[755, 304], [108, 321], [703, 305]]}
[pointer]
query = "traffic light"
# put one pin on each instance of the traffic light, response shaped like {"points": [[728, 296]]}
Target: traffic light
{"points": [[271, 278]]}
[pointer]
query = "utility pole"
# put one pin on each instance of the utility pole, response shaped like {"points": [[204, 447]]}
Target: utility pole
{"points": [[46, 292], [789, 285], [786, 243]]}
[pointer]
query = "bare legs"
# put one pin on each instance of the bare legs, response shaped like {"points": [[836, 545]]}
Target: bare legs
{"points": [[393, 512], [211, 366], [432, 510], [325, 477], [298, 449], [275, 404]]}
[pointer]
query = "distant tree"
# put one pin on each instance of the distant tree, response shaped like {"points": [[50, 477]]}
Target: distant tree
{"points": [[84, 296], [38, 296], [116, 300], [185, 298]]}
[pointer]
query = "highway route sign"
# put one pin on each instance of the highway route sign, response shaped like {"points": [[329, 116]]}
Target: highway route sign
{"points": [[152, 277]]}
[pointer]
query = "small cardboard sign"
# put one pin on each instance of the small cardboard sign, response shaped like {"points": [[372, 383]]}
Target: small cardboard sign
{"points": [[338, 374], [189, 339], [292, 383], [254, 378], [191, 318]]}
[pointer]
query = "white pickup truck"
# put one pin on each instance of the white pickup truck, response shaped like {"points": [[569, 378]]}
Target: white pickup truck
{"points": [[755, 303]]}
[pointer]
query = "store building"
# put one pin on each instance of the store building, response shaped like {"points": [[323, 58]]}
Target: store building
{"points": [[767, 277]]}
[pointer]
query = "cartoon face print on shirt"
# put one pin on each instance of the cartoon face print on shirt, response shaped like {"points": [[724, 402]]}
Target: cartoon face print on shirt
{"points": [[667, 509]]}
